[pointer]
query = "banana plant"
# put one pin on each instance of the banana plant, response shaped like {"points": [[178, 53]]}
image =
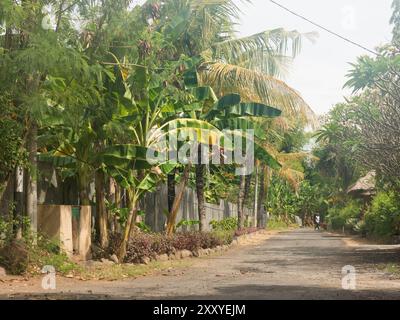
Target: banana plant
{"points": [[226, 113]]}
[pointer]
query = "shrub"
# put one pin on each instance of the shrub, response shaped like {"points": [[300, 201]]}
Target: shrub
{"points": [[347, 217], [140, 246], [227, 224], [244, 231], [149, 245], [335, 220], [196, 240], [383, 218], [226, 237], [14, 257], [49, 253], [277, 223]]}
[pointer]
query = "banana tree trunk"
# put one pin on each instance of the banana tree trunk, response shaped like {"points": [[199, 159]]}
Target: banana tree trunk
{"points": [[84, 182], [242, 187], [31, 192], [200, 169], [247, 185], [171, 184], [117, 202], [101, 210], [171, 221], [131, 221]]}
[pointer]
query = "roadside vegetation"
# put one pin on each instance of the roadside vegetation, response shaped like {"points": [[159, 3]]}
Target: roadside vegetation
{"points": [[88, 88]]}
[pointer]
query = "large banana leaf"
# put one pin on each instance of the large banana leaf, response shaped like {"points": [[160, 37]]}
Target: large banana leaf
{"points": [[57, 161], [229, 100], [234, 124], [204, 94], [253, 110], [127, 179], [125, 157], [192, 129], [191, 79], [227, 108]]}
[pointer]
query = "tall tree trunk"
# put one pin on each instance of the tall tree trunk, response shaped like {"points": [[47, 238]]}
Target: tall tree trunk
{"points": [[171, 184], [101, 210], [256, 196], [171, 221], [242, 186], [200, 170], [261, 198], [247, 185], [3, 185], [247, 188], [19, 202], [31, 192]]}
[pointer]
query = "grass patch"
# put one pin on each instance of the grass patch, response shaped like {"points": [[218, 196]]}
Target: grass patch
{"points": [[392, 269], [48, 253], [123, 271], [275, 224]]}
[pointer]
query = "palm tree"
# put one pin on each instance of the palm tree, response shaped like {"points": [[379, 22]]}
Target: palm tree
{"points": [[247, 66]]}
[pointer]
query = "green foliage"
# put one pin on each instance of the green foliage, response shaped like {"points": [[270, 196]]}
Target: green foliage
{"points": [[227, 224], [8, 225], [187, 223], [383, 217], [30, 255], [347, 216], [395, 20], [142, 224], [11, 141], [225, 236], [48, 253], [277, 223]]}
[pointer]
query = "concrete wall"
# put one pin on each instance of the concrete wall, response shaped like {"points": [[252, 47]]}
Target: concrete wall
{"points": [[72, 232], [56, 223]]}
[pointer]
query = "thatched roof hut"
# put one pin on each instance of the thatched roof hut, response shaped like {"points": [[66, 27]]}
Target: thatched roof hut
{"points": [[365, 187]]}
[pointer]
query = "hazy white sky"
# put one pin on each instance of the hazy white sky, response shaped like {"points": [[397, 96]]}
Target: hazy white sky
{"points": [[319, 72]]}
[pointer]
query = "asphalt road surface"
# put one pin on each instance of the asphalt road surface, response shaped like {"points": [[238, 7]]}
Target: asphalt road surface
{"points": [[300, 264]]}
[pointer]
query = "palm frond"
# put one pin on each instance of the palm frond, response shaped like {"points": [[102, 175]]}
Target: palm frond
{"points": [[293, 177], [262, 50], [297, 156], [256, 87]]}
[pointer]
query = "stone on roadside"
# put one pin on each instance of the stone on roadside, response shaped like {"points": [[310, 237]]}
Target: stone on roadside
{"points": [[3, 272], [162, 257], [106, 261], [175, 256], [114, 259], [196, 253], [186, 254], [145, 260]]}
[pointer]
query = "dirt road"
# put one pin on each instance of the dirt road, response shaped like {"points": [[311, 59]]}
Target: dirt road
{"points": [[300, 264]]}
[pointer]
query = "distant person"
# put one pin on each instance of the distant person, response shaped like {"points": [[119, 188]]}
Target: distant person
{"points": [[317, 221]]}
